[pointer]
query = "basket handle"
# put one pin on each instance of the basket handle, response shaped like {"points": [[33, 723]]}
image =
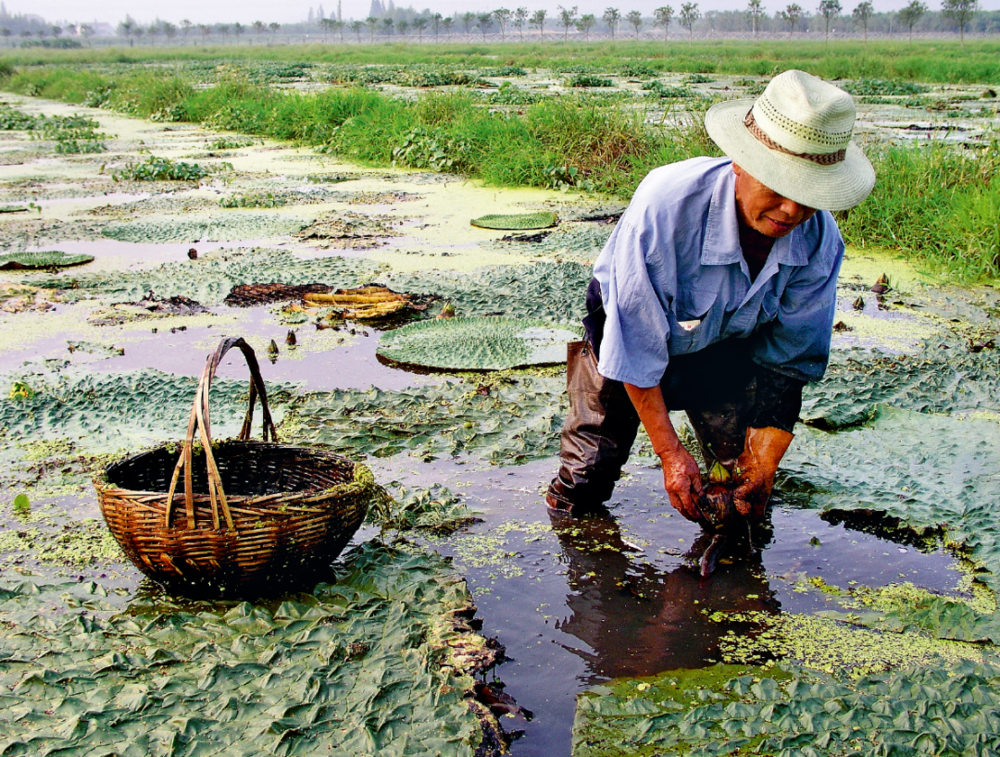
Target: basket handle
{"points": [[199, 421]]}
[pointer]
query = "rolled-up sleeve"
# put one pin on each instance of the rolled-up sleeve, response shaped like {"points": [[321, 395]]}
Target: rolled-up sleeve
{"points": [[634, 348], [797, 342]]}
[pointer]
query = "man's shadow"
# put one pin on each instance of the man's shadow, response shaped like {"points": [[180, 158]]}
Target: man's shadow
{"points": [[636, 619]]}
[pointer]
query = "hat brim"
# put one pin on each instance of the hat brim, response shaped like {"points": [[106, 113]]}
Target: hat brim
{"points": [[834, 187]]}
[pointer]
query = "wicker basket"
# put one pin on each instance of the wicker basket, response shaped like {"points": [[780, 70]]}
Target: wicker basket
{"points": [[252, 517]]}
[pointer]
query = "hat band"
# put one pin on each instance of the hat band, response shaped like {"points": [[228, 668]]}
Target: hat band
{"points": [[823, 159]]}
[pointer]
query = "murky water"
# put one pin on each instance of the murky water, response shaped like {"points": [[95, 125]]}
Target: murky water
{"points": [[576, 602]]}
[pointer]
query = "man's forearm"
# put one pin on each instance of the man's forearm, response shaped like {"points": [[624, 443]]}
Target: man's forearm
{"points": [[653, 413], [681, 475]]}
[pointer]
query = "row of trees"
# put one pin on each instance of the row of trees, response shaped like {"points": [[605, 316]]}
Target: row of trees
{"points": [[132, 30], [508, 23]]}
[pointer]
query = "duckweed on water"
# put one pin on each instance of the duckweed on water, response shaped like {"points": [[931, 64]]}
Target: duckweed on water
{"points": [[375, 663], [75, 544], [834, 647]]}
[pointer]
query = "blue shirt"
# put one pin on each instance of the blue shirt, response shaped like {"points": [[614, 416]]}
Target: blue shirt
{"points": [[673, 280]]}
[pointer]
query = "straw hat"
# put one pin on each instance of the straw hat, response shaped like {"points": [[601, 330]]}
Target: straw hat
{"points": [[796, 140]]}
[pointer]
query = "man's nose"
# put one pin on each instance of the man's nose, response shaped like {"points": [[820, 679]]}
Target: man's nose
{"points": [[792, 209]]}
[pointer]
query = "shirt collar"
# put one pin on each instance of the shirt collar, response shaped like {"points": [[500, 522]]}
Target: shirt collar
{"points": [[721, 245]]}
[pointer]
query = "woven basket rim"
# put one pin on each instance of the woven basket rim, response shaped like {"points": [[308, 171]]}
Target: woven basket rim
{"points": [[107, 487]]}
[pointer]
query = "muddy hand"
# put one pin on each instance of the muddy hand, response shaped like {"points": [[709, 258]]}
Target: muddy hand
{"points": [[756, 467], [682, 481]]}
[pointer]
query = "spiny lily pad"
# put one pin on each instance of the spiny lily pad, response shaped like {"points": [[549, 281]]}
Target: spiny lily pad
{"points": [[14, 261], [516, 221], [477, 344]]}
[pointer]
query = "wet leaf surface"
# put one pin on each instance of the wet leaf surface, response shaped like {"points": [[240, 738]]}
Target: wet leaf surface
{"points": [[371, 662]]}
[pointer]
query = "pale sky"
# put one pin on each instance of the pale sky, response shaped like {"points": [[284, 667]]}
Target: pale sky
{"points": [[248, 11]]}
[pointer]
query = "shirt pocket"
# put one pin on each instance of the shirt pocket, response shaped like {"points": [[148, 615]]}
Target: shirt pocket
{"points": [[695, 326], [768, 307]]}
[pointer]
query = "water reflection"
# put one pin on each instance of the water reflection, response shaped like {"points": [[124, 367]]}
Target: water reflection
{"points": [[637, 619]]}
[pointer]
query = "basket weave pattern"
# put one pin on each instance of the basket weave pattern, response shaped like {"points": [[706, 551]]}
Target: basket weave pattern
{"points": [[288, 509]]}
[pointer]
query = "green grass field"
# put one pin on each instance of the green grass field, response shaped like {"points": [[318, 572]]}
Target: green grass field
{"points": [[933, 201], [938, 61]]}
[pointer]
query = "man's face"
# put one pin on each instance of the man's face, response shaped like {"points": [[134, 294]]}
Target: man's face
{"points": [[764, 210]]}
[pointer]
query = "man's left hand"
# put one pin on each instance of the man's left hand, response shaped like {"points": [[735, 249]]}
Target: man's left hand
{"points": [[755, 469]]}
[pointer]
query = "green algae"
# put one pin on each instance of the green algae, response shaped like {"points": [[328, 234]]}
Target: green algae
{"points": [[477, 344], [948, 708], [210, 278], [375, 662], [239, 225]]}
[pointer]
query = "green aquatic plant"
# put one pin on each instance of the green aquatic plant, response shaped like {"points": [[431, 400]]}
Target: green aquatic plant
{"points": [[160, 169], [943, 709], [548, 291], [254, 200], [935, 473], [507, 423], [477, 344], [215, 228], [589, 80], [21, 504], [211, 277], [35, 260], [376, 661], [517, 221], [882, 87]]}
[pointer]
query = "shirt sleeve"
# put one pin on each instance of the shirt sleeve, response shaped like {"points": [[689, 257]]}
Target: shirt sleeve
{"points": [[634, 347], [797, 342]]}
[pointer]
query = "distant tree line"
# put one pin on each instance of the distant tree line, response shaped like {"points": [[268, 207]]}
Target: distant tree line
{"points": [[829, 17]]}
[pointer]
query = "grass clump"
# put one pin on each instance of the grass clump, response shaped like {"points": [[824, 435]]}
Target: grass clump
{"points": [[160, 169], [936, 202], [589, 80], [658, 89], [882, 87]]}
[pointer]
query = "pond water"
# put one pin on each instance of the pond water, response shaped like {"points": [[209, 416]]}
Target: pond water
{"points": [[576, 602]]}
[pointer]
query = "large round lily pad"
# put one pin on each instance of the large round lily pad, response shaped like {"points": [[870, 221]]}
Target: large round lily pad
{"points": [[477, 344], [516, 221], [13, 261]]}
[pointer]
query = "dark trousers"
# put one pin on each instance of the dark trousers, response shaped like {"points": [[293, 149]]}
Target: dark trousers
{"points": [[721, 388]]}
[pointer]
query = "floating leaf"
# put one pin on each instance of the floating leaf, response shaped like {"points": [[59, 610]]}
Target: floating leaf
{"points": [[517, 221], [49, 259], [477, 344], [21, 504]]}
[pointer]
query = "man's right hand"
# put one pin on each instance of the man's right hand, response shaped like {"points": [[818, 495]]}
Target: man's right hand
{"points": [[682, 481], [681, 475]]}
